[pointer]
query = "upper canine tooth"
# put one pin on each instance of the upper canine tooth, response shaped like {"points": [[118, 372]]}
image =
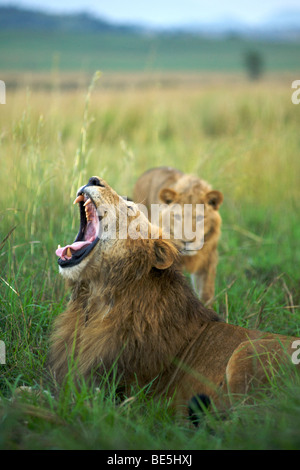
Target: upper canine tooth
{"points": [[87, 202], [78, 199]]}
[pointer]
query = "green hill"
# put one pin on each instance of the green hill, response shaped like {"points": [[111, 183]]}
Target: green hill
{"points": [[112, 51], [36, 41], [14, 18]]}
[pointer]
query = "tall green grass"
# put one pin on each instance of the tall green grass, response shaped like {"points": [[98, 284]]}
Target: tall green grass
{"points": [[245, 141]]}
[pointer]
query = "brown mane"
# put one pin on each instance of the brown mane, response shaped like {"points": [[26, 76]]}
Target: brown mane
{"points": [[155, 327]]}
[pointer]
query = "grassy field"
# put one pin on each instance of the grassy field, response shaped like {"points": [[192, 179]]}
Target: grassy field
{"points": [[242, 137], [132, 52]]}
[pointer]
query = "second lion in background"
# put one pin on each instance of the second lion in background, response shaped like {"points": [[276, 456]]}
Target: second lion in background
{"points": [[171, 186]]}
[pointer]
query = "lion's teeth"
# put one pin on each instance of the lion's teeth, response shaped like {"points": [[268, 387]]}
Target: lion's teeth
{"points": [[87, 202], [78, 199], [69, 253], [58, 246]]}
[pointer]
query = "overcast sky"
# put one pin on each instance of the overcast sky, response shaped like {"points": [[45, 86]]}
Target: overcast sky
{"points": [[167, 12]]}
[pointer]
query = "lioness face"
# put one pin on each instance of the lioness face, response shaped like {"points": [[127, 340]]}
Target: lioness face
{"points": [[107, 221], [182, 209]]}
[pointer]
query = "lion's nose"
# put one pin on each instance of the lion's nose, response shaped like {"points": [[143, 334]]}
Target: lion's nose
{"points": [[94, 181]]}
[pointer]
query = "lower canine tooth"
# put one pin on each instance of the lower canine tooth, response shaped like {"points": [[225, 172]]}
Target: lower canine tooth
{"points": [[87, 202], [69, 253], [58, 246]]}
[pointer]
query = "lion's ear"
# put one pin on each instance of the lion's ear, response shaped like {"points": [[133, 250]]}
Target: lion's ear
{"points": [[214, 199], [167, 195], [165, 254]]}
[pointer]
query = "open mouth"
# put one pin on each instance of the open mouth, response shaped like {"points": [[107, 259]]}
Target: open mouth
{"points": [[87, 237]]}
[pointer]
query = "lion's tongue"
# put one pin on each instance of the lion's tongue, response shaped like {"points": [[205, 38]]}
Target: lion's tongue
{"points": [[62, 252], [90, 235]]}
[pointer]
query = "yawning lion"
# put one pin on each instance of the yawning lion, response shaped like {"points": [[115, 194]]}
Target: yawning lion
{"points": [[131, 306]]}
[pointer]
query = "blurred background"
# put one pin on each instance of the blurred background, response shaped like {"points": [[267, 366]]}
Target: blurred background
{"points": [[169, 41]]}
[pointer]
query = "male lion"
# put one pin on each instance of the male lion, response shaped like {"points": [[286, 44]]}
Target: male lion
{"points": [[131, 307], [170, 186]]}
